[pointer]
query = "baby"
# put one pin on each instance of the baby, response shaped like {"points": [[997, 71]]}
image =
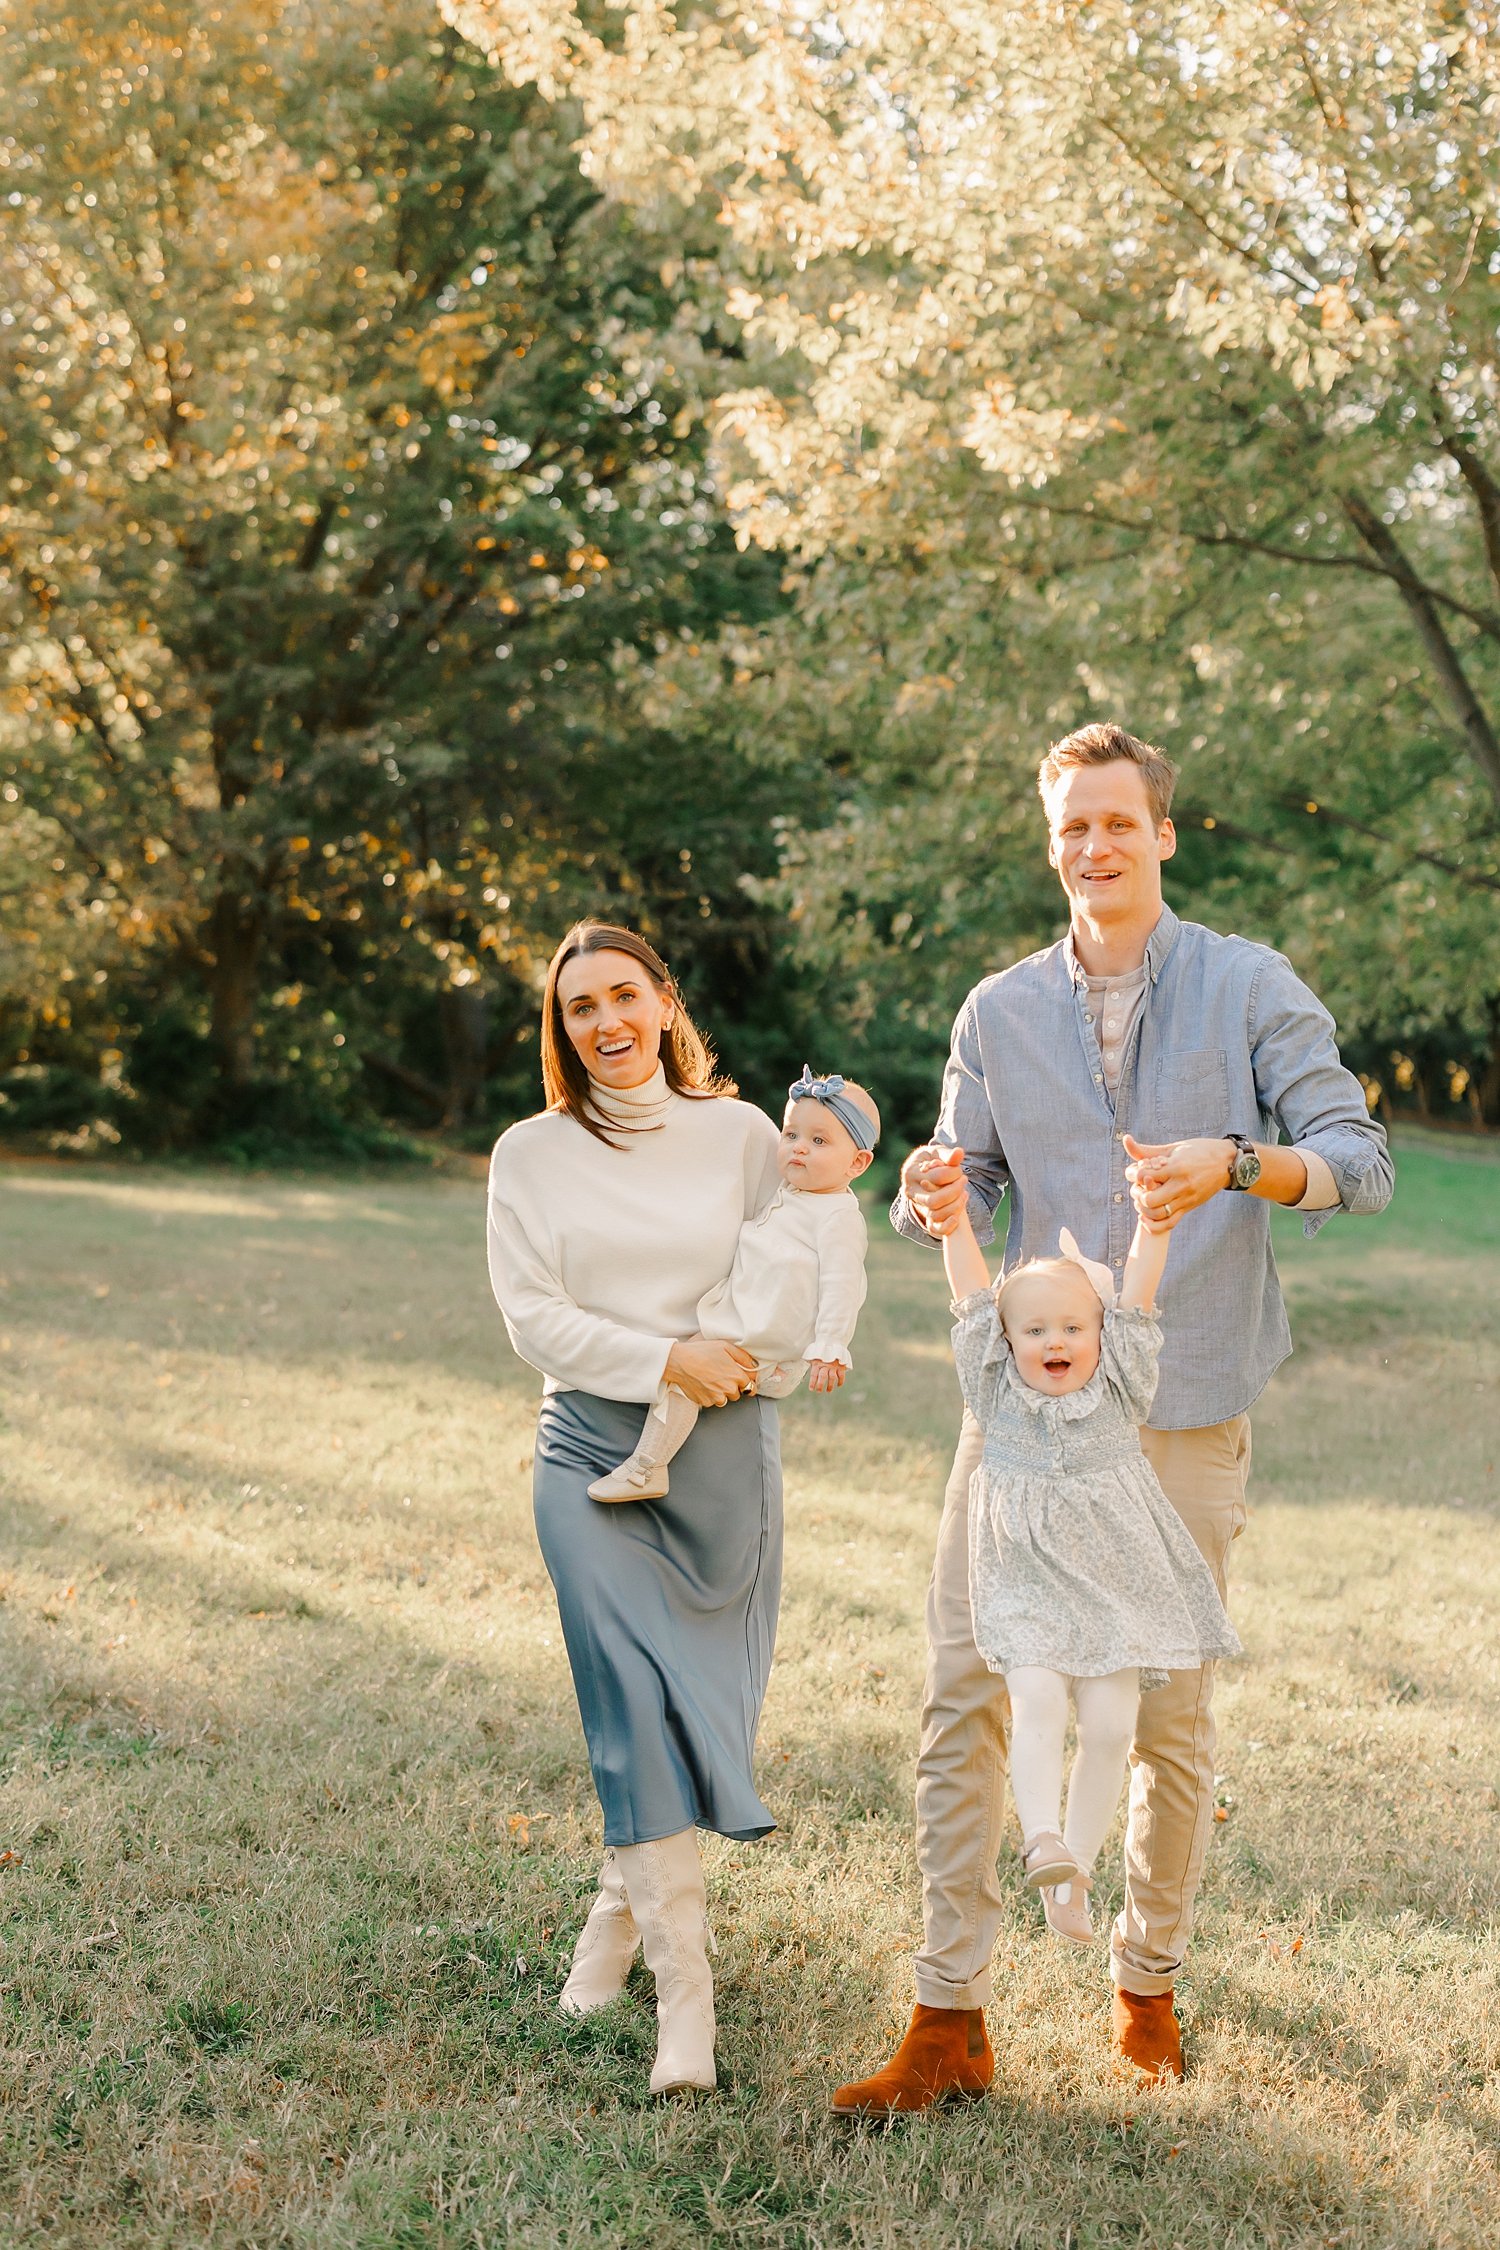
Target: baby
{"points": [[1083, 1579], [798, 1278]]}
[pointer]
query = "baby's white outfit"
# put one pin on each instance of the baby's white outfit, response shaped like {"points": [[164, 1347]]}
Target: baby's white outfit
{"points": [[796, 1286], [792, 1295]]}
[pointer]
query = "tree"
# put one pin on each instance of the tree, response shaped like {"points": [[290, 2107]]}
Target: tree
{"points": [[1123, 357], [349, 449]]}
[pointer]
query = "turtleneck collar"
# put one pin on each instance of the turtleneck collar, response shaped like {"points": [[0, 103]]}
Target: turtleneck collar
{"points": [[643, 1104]]}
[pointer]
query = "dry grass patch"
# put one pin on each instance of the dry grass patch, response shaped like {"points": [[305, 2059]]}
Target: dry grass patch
{"points": [[299, 1821]]}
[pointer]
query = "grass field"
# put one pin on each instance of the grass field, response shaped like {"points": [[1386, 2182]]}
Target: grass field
{"points": [[296, 1827]]}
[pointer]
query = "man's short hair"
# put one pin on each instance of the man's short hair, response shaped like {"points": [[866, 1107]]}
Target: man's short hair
{"points": [[1101, 745]]}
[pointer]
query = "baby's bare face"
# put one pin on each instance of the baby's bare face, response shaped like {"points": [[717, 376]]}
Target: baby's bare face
{"points": [[817, 1153], [1053, 1326]]}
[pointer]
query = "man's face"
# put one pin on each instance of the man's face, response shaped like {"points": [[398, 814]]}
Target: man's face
{"points": [[1104, 842]]}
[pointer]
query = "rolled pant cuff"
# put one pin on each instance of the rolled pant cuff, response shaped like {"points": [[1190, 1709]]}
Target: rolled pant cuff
{"points": [[937, 1992], [1141, 1982]]}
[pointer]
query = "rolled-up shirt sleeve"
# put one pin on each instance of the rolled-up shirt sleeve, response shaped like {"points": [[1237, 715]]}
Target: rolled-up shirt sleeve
{"points": [[965, 1120], [1315, 1101], [1322, 1190], [582, 1350]]}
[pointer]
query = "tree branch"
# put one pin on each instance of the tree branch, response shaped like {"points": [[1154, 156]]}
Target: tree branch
{"points": [[1230, 829], [1258, 259], [1400, 573], [1462, 701], [1479, 481]]}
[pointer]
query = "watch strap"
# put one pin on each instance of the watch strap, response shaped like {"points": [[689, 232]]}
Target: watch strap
{"points": [[1243, 1146]]}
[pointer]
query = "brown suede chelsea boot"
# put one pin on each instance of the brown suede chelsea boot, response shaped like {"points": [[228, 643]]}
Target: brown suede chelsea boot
{"points": [[944, 2057], [1144, 2030]]}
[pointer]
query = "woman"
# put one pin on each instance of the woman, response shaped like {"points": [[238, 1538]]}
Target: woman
{"points": [[610, 1214]]}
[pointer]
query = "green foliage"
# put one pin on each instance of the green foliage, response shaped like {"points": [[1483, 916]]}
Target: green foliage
{"points": [[1107, 363], [352, 452], [415, 533]]}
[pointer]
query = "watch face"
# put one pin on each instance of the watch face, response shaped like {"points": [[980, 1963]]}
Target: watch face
{"points": [[1246, 1168]]}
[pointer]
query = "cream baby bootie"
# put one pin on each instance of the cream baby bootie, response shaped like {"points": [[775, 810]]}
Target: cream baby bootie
{"points": [[633, 1480]]}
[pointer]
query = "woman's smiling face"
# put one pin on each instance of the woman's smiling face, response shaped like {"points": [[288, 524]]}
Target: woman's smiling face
{"points": [[614, 1014]]}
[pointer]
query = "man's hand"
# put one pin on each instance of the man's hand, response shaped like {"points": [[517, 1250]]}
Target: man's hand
{"points": [[932, 1180], [1170, 1178], [826, 1374]]}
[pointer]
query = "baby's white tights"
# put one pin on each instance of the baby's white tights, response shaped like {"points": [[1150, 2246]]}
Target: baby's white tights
{"points": [[1106, 1711], [667, 1428]]}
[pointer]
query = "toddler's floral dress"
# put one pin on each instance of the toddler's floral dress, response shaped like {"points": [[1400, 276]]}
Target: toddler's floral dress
{"points": [[1078, 1561]]}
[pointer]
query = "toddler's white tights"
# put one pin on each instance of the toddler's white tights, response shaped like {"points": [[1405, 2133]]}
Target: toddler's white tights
{"points": [[1105, 1710]]}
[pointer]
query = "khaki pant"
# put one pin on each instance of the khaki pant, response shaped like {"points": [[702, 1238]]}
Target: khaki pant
{"points": [[965, 1722]]}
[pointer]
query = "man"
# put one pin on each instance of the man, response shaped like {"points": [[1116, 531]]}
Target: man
{"points": [[1206, 1051]]}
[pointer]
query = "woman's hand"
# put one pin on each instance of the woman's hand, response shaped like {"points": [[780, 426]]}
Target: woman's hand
{"points": [[708, 1372], [826, 1374]]}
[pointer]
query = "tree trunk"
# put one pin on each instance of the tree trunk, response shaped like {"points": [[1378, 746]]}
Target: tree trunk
{"points": [[1489, 1084], [1419, 1088], [464, 1021], [236, 927]]}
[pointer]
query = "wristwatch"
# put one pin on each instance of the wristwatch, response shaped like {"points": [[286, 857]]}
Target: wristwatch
{"points": [[1244, 1171]]}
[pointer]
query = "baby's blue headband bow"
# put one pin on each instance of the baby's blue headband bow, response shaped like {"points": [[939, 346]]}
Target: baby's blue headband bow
{"points": [[830, 1092]]}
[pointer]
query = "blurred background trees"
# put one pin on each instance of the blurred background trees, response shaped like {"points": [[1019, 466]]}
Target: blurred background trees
{"points": [[350, 452], [689, 462]]}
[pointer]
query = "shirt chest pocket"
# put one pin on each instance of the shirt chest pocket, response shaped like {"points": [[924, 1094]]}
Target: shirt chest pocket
{"points": [[1192, 1093]]}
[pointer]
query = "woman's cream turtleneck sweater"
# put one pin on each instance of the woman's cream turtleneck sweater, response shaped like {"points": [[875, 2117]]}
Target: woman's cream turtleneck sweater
{"points": [[598, 1255]]}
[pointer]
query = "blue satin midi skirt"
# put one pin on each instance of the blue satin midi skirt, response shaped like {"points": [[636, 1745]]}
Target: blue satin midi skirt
{"points": [[668, 1609]]}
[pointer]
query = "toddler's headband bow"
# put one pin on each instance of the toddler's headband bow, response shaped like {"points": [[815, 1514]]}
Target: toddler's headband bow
{"points": [[830, 1092], [1095, 1272]]}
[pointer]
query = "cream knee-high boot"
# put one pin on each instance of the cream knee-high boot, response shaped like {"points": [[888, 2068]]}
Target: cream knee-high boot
{"points": [[605, 1949], [664, 1884]]}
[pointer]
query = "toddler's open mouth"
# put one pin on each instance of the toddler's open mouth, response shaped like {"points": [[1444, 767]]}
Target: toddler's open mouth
{"points": [[1057, 1366]]}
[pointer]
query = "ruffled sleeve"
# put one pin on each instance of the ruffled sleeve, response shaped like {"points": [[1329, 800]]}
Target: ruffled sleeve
{"points": [[980, 1352], [1128, 1357], [841, 1279]]}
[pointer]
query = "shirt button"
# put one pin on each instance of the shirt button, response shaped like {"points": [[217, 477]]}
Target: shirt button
{"points": [[1119, 1261], [1119, 1199], [1098, 1081]]}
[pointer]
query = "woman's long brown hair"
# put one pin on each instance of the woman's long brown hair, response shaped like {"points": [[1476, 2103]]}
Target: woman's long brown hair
{"points": [[687, 1059]]}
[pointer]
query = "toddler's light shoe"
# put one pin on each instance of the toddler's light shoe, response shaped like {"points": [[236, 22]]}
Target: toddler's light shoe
{"points": [[1046, 1859], [1066, 1906], [633, 1480]]}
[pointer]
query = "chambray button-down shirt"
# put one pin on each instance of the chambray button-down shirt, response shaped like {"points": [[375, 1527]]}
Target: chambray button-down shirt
{"points": [[1229, 1040]]}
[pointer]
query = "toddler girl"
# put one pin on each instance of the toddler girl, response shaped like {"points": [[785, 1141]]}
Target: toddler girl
{"points": [[1081, 1573], [798, 1278]]}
